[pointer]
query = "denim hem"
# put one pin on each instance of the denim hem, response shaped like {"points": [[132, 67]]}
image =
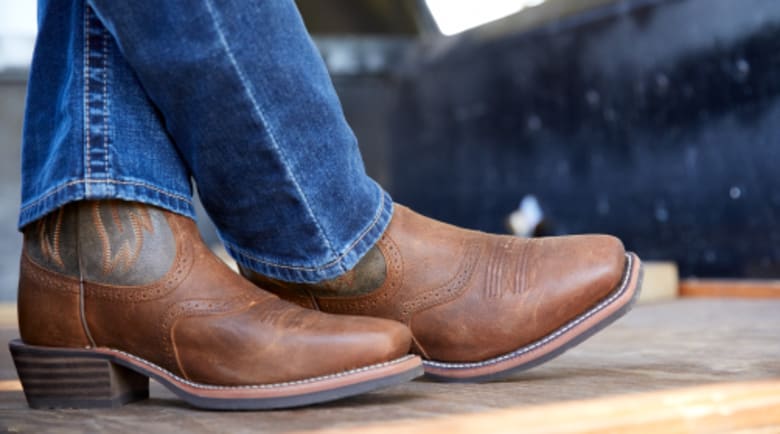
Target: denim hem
{"points": [[93, 189], [345, 261]]}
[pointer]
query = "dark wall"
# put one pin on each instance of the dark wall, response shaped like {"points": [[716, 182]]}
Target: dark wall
{"points": [[376, 17]]}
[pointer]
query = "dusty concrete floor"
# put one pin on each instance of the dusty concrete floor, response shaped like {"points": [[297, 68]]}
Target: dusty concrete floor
{"points": [[657, 346]]}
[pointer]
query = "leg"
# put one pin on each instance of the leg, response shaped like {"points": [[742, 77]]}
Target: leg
{"points": [[112, 293], [252, 110], [90, 131]]}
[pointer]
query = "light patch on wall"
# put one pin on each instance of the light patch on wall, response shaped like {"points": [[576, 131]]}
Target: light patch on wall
{"points": [[18, 27], [455, 16]]}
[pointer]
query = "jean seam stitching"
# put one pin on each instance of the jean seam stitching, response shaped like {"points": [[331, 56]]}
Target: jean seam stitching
{"points": [[265, 124], [327, 265], [96, 97], [87, 135], [105, 103], [100, 181]]}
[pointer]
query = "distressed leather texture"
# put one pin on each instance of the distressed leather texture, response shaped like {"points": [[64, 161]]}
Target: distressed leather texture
{"points": [[469, 296], [135, 278]]}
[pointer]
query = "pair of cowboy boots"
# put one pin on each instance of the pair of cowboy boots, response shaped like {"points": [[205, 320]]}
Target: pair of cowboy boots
{"points": [[113, 293]]}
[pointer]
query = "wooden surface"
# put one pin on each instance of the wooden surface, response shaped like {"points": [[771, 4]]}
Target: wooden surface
{"points": [[728, 407], [730, 288], [658, 347], [660, 282]]}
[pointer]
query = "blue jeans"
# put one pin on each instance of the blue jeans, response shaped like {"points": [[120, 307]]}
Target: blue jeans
{"points": [[131, 100]]}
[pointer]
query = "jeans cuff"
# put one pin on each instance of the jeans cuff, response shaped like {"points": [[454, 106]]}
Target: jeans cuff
{"points": [[343, 262], [92, 189]]}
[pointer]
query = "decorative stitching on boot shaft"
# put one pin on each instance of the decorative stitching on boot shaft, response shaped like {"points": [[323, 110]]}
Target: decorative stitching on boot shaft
{"points": [[156, 290], [125, 253], [49, 233], [43, 279]]}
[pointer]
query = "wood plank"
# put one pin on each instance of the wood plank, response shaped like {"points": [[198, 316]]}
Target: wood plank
{"points": [[661, 282], [732, 288], [663, 346], [8, 315], [717, 408], [10, 386]]}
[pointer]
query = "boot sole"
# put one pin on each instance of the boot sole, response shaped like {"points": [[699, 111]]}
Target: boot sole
{"points": [[104, 378], [607, 311]]}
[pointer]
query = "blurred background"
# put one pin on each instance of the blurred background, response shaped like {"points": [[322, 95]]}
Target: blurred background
{"points": [[654, 120]]}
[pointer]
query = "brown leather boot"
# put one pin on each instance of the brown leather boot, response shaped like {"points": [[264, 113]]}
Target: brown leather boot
{"points": [[480, 306], [114, 293]]}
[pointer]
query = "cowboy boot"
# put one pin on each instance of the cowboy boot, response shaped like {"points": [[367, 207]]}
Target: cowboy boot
{"points": [[113, 293], [480, 306]]}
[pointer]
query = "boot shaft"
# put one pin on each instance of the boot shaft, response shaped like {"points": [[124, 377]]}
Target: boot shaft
{"points": [[117, 243]]}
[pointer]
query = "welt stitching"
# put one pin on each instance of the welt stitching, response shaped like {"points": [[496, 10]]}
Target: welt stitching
{"points": [[328, 264], [304, 381]]}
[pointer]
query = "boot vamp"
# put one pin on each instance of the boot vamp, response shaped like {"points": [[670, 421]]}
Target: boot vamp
{"points": [[277, 342], [519, 292], [469, 295]]}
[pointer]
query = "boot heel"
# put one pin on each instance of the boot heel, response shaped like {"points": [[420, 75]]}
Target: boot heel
{"points": [[62, 378]]}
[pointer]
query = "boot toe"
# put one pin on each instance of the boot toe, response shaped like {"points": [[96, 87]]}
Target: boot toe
{"points": [[279, 342], [376, 340], [576, 272]]}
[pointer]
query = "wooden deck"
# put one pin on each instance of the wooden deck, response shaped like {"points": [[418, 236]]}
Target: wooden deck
{"points": [[650, 355]]}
